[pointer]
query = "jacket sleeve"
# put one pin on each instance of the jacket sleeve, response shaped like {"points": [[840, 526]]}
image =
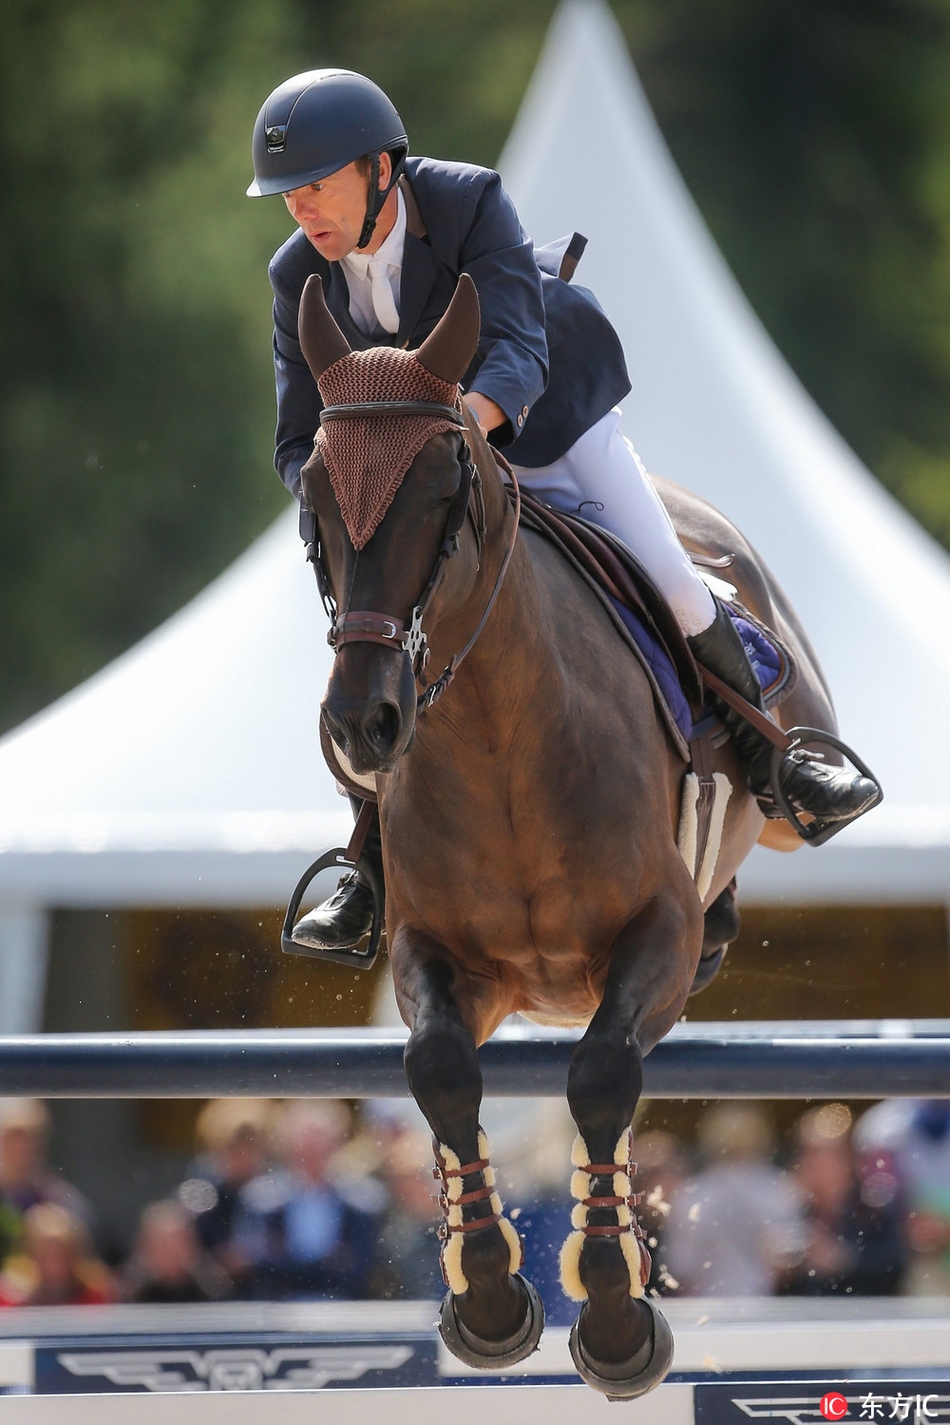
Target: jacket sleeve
{"points": [[298, 400], [499, 257]]}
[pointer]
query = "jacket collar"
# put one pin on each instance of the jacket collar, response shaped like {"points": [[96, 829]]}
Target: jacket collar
{"points": [[420, 268]]}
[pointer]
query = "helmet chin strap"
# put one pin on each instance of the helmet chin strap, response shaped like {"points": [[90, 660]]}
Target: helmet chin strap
{"points": [[376, 199]]}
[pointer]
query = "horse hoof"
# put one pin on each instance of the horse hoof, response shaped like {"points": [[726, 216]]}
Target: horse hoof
{"points": [[631, 1378], [486, 1355]]}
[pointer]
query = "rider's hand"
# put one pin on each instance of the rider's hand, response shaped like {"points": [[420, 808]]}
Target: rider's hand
{"points": [[489, 415]]}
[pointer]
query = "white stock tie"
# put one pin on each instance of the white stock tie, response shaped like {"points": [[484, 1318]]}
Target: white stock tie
{"points": [[384, 304]]}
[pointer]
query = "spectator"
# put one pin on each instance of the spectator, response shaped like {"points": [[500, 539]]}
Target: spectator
{"points": [[232, 1190], [322, 1237], [407, 1250], [661, 1169], [25, 1178], [736, 1226], [531, 1148], [168, 1263], [852, 1242], [57, 1266], [907, 1141]]}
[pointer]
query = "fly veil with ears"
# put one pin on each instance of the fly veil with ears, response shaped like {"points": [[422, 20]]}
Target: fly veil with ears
{"points": [[411, 395]]}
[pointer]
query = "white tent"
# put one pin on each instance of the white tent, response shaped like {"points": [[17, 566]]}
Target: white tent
{"points": [[188, 772]]}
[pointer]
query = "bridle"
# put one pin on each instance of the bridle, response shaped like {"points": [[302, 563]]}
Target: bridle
{"points": [[367, 626]]}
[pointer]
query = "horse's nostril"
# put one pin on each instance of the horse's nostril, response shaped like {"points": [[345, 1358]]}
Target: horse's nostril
{"points": [[382, 728], [336, 729]]}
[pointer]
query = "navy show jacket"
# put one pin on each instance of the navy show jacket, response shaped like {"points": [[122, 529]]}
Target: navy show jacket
{"points": [[547, 355]]}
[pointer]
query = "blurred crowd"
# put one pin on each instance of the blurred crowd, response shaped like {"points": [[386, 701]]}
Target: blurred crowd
{"points": [[839, 1207], [282, 1201], [300, 1201]]}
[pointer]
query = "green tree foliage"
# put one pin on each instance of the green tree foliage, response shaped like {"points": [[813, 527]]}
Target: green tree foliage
{"points": [[136, 399], [136, 402], [815, 135]]}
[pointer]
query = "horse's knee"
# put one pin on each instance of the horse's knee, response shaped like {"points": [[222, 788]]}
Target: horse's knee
{"points": [[604, 1085], [442, 1068]]}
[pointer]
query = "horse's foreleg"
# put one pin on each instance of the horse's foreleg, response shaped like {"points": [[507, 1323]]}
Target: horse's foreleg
{"points": [[620, 1342], [491, 1315]]}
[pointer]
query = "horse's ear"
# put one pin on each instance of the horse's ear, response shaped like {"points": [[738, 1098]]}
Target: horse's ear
{"points": [[321, 340], [448, 351]]}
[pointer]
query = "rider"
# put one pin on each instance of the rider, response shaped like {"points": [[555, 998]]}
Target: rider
{"points": [[389, 235]]}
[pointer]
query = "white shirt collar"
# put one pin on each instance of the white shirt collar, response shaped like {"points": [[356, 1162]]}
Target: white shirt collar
{"points": [[390, 251]]}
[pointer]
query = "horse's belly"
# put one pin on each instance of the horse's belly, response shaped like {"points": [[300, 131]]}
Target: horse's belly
{"points": [[562, 985], [560, 1000], [558, 1020]]}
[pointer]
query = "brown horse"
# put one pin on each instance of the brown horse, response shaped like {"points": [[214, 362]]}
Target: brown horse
{"points": [[529, 820]]}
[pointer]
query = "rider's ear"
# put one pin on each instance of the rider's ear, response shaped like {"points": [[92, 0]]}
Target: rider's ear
{"points": [[321, 340], [447, 352]]}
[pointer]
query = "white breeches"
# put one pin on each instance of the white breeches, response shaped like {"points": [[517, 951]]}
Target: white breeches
{"points": [[602, 478]]}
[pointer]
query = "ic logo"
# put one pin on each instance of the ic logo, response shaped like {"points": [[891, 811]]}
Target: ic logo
{"points": [[833, 1406]]}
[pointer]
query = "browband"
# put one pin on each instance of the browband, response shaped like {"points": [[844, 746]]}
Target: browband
{"points": [[393, 408]]}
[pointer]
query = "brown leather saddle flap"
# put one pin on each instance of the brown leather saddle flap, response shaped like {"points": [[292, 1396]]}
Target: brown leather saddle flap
{"points": [[605, 566]]}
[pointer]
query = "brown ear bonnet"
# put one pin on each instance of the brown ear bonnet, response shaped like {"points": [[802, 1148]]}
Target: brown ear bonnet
{"points": [[367, 456]]}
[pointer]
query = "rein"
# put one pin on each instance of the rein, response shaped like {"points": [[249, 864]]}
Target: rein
{"points": [[368, 626]]}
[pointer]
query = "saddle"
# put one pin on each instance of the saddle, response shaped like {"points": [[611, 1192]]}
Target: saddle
{"points": [[646, 623], [648, 626]]}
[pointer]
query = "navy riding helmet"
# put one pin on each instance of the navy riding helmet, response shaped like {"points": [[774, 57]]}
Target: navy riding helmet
{"points": [[318, 122]]}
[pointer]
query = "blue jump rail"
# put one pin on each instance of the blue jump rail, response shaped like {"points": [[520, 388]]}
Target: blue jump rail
{"points": [[806, 1059]]}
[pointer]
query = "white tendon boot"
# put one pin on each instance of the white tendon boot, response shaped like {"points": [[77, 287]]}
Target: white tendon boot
{"points": [[465, 1186]]}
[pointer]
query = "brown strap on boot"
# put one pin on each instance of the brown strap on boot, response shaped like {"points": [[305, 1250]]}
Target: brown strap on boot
{"points": [[599, 1203]]}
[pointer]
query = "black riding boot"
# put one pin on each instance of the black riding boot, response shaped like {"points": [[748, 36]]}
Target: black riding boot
{"points": [[347, 916], [824, 791]]}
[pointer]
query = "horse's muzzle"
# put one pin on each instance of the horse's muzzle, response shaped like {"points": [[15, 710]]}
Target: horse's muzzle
{"points": [[370, 707]]}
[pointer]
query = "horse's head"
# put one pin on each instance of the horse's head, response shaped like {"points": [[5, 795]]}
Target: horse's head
{"points": [[389, 484]]}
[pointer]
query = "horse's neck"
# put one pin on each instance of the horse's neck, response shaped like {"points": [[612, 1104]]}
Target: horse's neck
{"points": [[494, 688]]}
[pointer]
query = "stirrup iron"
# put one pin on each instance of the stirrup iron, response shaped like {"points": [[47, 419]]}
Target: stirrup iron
{"points": [[816, 832], [350, 858]]}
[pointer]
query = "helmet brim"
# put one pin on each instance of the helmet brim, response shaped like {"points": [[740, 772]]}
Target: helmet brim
{"points": [[263, 187], [284, 183]]}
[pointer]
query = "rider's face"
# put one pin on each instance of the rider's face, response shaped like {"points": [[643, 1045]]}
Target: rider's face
{"points": [[331, 211]]}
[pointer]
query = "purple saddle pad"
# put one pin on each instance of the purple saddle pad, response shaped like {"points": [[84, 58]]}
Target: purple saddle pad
{"points": [[763, 655]]}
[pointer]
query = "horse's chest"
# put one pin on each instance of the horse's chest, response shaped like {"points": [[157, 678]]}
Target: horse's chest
{"points": [[542, 892]]}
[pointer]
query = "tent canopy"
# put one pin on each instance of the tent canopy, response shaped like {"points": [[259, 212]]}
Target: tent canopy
{"points": [[188, 772]]}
